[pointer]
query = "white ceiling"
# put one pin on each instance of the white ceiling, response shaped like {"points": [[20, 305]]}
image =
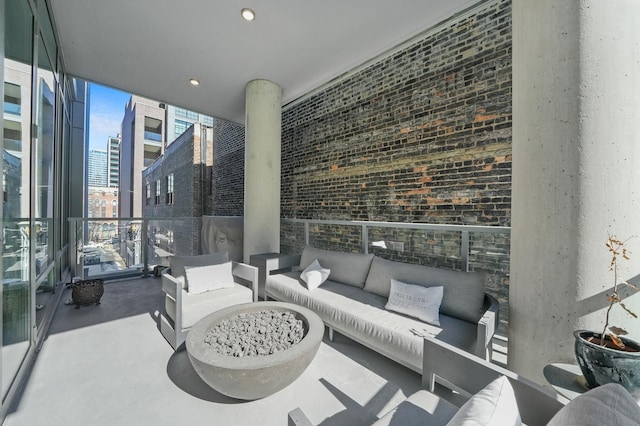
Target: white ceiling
{"points": [[153, 47]]}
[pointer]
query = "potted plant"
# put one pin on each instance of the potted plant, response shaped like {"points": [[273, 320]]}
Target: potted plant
{"points": [[608, 356]]}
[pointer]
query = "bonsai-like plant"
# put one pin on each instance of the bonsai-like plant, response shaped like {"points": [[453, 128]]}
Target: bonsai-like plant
{"points": [[618, 252]]}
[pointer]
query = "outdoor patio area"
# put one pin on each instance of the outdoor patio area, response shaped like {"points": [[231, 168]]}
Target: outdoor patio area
{"points": [[108, 364]]}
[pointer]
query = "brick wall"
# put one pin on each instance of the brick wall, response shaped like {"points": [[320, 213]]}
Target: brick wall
{"points": [[227, 190], [421, 136]]}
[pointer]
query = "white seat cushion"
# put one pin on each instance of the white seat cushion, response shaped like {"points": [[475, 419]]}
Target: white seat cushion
{"points": [[197, 306], [361, 315]]}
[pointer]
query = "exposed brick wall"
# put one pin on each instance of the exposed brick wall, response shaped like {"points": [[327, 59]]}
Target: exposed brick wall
{"points": [[423, 135], [228, 170]]}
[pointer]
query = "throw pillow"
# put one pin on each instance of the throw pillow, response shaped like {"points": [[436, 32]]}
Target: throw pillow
{"points": [[416, 301], [314, 275], [207, 278], [177, 264], [494, 405]]}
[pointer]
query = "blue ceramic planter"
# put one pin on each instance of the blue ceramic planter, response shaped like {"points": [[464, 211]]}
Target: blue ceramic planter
{"points": [[601, 365]]}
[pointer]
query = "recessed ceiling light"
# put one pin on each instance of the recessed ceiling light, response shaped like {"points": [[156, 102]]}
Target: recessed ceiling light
{"points": [[248, 14], [194, 82]]}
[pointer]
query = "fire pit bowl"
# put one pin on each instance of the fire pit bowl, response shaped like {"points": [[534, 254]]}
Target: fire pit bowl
{"points": [[253, 377]]}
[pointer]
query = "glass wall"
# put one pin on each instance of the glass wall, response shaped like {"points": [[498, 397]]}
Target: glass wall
{"points": [[16, 174], [34, 145]]}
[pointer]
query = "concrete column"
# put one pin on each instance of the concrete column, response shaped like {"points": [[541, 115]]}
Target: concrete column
{"points": [[576, 171], [262, 168]]}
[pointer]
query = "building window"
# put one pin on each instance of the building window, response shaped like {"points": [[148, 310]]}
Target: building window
{"points": [[114, 210], [207, 120], [170, 189], [153, 129], [12, 101], [181, 127], [158, 191], [147, 194]]}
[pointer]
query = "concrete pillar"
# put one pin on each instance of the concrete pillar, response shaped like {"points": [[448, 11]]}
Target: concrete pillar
{"points": [[262, 168], [576, 171]]}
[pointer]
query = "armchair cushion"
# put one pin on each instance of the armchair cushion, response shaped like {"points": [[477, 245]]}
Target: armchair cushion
{"points": [[177, 264], [208, 278], [494, 405]]}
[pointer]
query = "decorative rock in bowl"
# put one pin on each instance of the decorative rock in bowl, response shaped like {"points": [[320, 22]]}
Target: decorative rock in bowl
{"points": [[221, 352]]}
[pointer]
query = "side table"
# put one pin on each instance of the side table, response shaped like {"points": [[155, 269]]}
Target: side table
{"points": [[566, 379], [269, 262]]}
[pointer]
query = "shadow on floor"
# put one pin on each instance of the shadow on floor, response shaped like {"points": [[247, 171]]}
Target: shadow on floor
{"points": [[121, 299]]}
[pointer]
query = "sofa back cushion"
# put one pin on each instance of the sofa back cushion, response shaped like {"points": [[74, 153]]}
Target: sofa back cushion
{"points": [[463, 291], [346, 268], [177, 264]]}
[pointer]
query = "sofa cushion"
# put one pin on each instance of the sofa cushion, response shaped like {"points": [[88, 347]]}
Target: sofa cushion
{"points": [[208, 278], [177, 264], [605, 405], [346, 268], [314, 275], [463, 291], [421, 408], [495, 405], [416, 301], [361, 316]]}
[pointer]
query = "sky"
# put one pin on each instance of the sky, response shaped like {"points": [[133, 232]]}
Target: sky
{"points": [[106, 110]]}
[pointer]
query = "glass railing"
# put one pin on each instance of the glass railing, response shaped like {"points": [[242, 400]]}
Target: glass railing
{"points": [[112, 248], [456, 247]]}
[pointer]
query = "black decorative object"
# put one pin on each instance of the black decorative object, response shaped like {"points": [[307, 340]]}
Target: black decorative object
{"points": [[87, 292]]}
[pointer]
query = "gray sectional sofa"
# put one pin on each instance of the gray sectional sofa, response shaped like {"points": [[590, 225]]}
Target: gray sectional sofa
{"points": [[352, 301]]}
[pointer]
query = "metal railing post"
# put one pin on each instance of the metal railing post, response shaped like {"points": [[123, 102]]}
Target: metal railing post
{"points": [[143, 247], [365, 239], [306, 233], [464, 250]]}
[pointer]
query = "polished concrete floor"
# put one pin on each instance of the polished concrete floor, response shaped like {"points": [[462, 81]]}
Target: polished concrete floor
{"points": [[108, 364]]}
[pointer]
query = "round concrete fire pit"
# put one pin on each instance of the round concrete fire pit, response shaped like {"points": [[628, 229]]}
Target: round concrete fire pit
{"points": [[252, 377]]}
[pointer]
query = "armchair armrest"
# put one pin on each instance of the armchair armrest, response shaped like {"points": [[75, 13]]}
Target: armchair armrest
{"points": [[297, 418], [171, 285], [468, 374], [487, 326], [244, 273]]}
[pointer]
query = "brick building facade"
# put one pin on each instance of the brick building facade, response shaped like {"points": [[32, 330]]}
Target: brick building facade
{"points": [[179, 184]]}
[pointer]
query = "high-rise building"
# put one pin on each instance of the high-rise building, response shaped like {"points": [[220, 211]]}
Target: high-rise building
{"points": [[113, 166], [143, 141], [180, 119], [97, 168]]}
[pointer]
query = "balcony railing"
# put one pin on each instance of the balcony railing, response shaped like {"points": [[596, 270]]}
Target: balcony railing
{"points": [[122, 247], [111, 248]]}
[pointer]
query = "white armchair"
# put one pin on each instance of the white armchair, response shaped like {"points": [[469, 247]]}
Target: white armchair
{"points": [[183, 308]]}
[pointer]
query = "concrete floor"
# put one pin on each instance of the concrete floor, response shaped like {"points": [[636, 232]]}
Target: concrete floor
{"points": [[109, 365]]}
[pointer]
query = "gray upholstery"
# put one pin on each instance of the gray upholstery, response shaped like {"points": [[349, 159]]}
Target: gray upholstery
{"points": [[421, 408], [362, 317], [346, 268], [609, 404], [463, 291], [177, 264]]}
